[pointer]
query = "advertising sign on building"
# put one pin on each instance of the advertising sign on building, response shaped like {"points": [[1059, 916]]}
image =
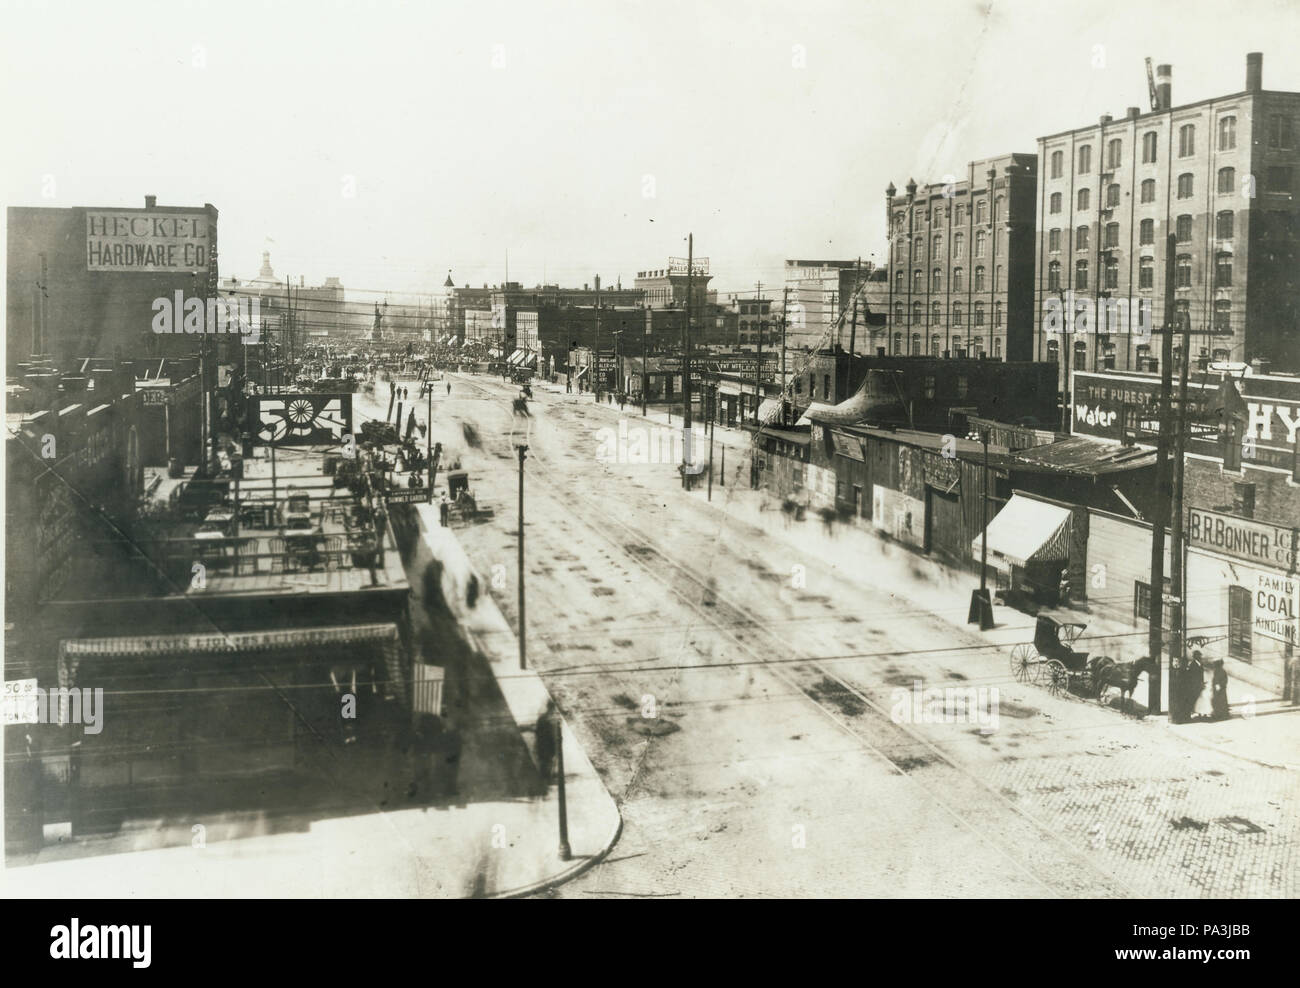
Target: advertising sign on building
{"points": [[303, 419], [1113, 405], [19, 703], [1243, 538], [1275, 608], [152, 241]]}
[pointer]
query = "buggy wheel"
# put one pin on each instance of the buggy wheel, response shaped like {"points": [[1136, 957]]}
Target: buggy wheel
{"points": [[1058, 677], [1022, 663]]}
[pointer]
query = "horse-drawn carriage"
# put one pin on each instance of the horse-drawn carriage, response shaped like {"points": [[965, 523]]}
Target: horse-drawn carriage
{"points": [[1051, 661]]}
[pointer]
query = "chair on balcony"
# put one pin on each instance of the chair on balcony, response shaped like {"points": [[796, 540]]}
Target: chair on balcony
{"points": [[334, 552]]}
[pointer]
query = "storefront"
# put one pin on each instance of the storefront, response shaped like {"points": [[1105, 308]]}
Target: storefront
{"points": [[1028, 547]]}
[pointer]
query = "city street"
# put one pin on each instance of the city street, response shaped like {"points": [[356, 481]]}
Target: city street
{"points": [[746, 715]]}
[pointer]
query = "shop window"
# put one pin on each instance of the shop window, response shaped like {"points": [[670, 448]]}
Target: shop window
{"points": [[1142, 604], [1239, 623]]}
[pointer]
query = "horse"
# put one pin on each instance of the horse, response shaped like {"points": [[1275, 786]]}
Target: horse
{"points": [[520, 407], [1106, 672]]}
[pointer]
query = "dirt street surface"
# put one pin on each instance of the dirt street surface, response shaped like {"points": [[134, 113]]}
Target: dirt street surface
{"points": [[756, 720]]}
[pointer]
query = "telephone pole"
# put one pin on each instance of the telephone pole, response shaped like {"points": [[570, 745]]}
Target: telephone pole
{"points": [[758, 364], [785, 301], [1155, 642], [1177, 569], [523, 627], [599, 372], [686, 353]]}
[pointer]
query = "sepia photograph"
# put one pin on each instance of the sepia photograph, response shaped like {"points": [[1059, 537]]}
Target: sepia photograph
{"points": [[612, 450]]}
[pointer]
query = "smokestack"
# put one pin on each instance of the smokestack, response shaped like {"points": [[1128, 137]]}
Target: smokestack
{"points": [[1254, 71], [1132, 112], [150, 202], [1165, 86]]}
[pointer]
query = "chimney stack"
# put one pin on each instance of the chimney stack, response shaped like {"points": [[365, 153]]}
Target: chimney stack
{"points": [[1132, 113], [1254, 72], [1165, 86], [1106, 118], [150, 202]]}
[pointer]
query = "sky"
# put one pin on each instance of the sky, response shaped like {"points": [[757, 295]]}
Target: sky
{"points": [[388, 142]]}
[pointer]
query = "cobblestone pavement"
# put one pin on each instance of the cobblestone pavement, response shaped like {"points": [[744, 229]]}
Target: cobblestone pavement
{"points": [[777, 710]]}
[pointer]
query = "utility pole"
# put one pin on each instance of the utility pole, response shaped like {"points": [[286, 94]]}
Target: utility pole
{"points": [[428, 436], [599, 372], [1155, 640], [645, 374], [1067, 359], [687, 458], [758, 363], [1177, 569], [785, 301], [853, 327], [565, 851], [523, 627]]}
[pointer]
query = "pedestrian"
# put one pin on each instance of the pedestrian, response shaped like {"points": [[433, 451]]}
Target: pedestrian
{"points": [[448, 387], [444, 510], [1197, 697], [1063, 589], [1218, 691], [546, 727]]}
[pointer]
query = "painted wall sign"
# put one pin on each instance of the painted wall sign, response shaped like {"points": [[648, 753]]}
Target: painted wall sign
{"points": [[1276, 600], [303, 419], [150, 241], [1243, 538]]}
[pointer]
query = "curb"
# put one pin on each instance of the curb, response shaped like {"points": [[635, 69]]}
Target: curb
{"points": [[555, 881]]}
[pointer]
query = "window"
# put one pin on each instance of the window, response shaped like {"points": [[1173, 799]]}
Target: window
{"points": [[1223, 225], [1278, 179], [1081, 238], [997, 347], [1279, 131], [1054, 241], [1142, 603], [1227, 181], [1054, 276], [997, 314], [1183, 271], [935, 345], [956, 279], [917, 283], [979, 278], [935, 313], [1080, 355], [1182, 317], [1222, 320], [1054, 204], [936, 280], [1081, 274], [956, 314], [1183, 229], [916, 347], [1085, 200], [898, 344], [1112, 196], [919, 248], [1186, 140], [960, 215], [1146, 272], [936, 245], [979, 314], [898, 313], [1147, 232], [1114, 152], [1058, 160], [898, 282], [977, 346], [1112, 235], [1085, 159], [997, 278], [1149, 140], [981, 239], [1227, 133], [916, 313], [1241, 624], [1053, 351], [997, 209], [1148, 190], [981, 210], [1112, 272], [959, 246], [1223, 270], [1185, 185]]}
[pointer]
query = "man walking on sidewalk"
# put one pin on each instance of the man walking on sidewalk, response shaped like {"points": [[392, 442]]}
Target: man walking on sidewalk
{"points": [[444, 511]]}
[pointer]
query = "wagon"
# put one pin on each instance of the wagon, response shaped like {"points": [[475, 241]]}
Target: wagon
{"points": [[1050, 660]]}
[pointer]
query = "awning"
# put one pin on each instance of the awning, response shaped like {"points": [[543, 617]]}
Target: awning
{"points": [[236, 641], [582, 370], [769, 411], [729, 388], [529, 359], [1028, 530], [515, 357]]}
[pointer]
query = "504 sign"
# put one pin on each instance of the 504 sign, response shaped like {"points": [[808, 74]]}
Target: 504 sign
{"points": [[303, 419]]}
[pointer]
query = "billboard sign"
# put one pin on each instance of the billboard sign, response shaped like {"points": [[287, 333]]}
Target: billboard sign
{"points": [[1276, 599], [147, 241], [303, 419], [1242, 538], [1109, 406]]}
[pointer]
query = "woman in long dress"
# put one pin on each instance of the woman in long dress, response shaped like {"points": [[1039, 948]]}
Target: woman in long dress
{"points": [[1218, 692], [1201, 704]]}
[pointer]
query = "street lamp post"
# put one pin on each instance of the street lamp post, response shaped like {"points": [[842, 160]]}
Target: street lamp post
{"points": [[981, 606], [523, 664], [565, 851]]}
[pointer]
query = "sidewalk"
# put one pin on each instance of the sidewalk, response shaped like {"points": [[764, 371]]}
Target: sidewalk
{"points": [[1259, 729], [490, 849]]}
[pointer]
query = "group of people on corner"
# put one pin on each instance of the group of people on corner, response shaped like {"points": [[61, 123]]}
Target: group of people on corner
{"points": [[1198, 702]]}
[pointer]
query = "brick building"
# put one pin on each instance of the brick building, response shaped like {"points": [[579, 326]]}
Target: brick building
{"points": [[961, 263], [1220, 175]]}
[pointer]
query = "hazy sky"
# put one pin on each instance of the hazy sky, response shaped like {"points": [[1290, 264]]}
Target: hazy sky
{"points": [[385, 142]]}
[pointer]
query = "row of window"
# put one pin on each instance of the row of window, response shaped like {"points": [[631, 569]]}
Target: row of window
{"points": [[958, 245], [1146, 273], [958, 280], [958, 313], [1223, 230], [1279, 131], [1278, 178], [959, 213], [956, 347]]}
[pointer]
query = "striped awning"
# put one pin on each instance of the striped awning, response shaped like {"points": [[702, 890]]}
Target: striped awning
{"points": [[515, 357], [1028, 530], [235, 641], [769, 411]]}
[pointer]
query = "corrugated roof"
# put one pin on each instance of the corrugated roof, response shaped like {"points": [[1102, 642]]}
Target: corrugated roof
{"points": [[1087, 457]]}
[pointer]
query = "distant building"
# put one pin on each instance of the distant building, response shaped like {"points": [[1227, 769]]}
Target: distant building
{"points": [[665, 288], [818, 292], [961, 264]]}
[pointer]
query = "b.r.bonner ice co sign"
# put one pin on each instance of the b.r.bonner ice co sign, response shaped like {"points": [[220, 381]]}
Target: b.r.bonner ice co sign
{"points": [[150, 241], [1244, 538]]}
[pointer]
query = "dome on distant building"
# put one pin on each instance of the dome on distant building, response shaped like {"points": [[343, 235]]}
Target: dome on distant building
{"points": [[448, 283]]}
